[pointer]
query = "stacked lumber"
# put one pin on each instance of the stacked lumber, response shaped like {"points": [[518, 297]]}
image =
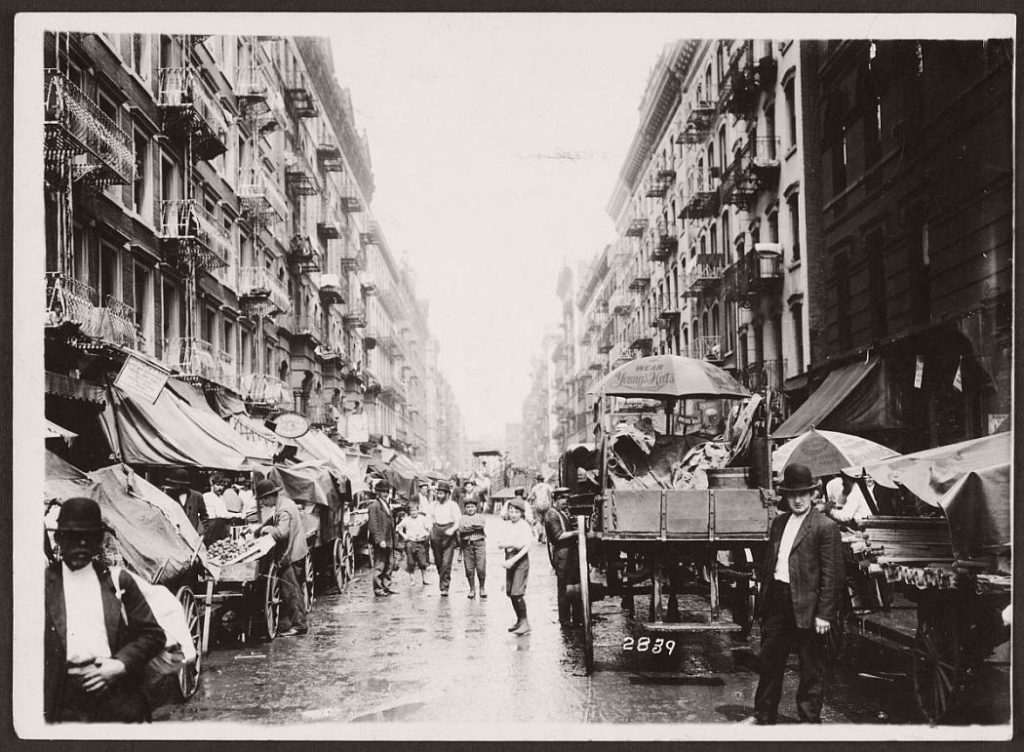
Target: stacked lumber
{"points": [[910, 539]]}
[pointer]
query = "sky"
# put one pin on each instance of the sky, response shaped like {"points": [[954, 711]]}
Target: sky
{"points": [[496, 143]]}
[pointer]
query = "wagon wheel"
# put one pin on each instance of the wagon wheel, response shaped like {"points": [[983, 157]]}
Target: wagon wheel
{"points": [[308, 591], [344, 560], [588, 628], [188, 675], [271, 601], [938, 658]]}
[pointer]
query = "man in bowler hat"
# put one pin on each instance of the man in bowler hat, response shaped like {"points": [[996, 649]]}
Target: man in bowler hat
{"points": [[802, 581], [287, 530], [381, 526], [99, 635]]}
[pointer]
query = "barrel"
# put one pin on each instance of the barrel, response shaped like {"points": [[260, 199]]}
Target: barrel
{"points": [[728, 477]]}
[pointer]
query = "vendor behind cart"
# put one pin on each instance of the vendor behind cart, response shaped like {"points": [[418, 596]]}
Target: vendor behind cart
{"points": [[287, 530]]}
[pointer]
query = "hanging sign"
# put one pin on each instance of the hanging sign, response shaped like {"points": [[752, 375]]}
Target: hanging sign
{"points": [[358, 428], [142, 378], [919, 372], [290, 425]]}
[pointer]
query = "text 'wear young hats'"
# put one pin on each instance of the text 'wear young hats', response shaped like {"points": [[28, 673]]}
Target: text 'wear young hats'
{"points": [[80, 514], [265, 487], [797, 478]]}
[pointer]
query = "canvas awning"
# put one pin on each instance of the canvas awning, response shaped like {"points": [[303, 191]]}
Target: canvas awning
{"points": [[846, 400], [171, 432], [54, 431], [317, 445], [226, 404], [64, 386]]}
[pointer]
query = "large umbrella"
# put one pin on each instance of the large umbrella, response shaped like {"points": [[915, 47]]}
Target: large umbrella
{"points": [[662, 376], [504, 493], [828, 452]]}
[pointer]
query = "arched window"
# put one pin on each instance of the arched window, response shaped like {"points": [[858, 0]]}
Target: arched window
{"points": [[715, 329]]}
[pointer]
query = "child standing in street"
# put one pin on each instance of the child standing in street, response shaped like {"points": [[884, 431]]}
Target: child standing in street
{"points": [[516, 541], [414, 529], [474, 547]]}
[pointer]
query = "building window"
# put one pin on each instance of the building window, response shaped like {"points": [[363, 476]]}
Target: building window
{"points": [[139, 56], [109, 273], [210, 328], [144, 307], [773, 226], [228, 345], [143, 177], [797, 311], [871, 108], [714, 239], [793, 202], [725, 237], [170, 183], [874, 243], [173, 313], [841, 280], [789, 90]]}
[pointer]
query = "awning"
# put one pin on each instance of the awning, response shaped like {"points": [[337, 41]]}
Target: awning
{"points": [[53, 431], [170, 432], [226, 404], [862, 408], [64, 386], [253, 430], [317, 445]]}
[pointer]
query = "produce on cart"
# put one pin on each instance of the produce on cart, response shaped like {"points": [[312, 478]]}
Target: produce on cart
{"points": [[153, 538], [953, 559]]}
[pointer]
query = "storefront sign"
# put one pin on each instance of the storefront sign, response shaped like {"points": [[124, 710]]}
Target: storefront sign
{"points": [[290, 425], [358, 428], [142, 378]]}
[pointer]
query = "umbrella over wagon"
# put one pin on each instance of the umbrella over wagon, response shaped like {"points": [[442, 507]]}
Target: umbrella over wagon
{"points": [[663, 376], [828, 452]]}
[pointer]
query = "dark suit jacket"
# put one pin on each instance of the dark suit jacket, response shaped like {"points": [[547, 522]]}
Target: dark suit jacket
{"points": [[815, 568], [381, 523], [133, 643]]}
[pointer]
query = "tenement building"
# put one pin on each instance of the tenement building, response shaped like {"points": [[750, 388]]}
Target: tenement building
{"points": [[208, 211]]}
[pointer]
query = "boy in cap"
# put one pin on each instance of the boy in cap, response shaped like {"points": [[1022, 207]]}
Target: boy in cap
{"points": [[414, 529], [802, 572], [516, 541], [474, 547], [99, 636]]}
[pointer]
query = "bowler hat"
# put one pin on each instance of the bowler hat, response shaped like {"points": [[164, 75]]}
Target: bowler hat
{"points": [[519, 491], [443, 485], [560, 492], [178, 476], [518, 503], [81, 514], [265, 487], [797, 478], [382, 487]]}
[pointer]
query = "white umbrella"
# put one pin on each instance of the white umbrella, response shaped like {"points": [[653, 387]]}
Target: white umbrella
{"points": [[828, 452]]}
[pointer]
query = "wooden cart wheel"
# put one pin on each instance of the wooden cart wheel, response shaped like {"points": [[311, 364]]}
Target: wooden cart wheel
{"points": [[938, 657], [744, 604], [188, 675], [308, 591], [344, 560], [271, 601], [588, 628]]}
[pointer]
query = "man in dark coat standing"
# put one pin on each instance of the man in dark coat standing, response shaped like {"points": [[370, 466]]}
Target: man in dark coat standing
{"points": [[802, 581], [564, 544], [287, 530], [99, 634], [178, 484], [382, 536]]}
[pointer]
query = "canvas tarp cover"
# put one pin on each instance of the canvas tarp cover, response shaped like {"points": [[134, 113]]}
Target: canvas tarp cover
{"points": [[152, 532], [172, 433], [226, 405], [852, 399], [969, 480], [309, 483], [400, 475], [316, 445]]}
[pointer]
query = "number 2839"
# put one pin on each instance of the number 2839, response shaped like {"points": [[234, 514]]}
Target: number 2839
{"points": [[647, 645]]}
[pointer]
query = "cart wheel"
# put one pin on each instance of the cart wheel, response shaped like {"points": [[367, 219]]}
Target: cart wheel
{"points": [[271, 601], [308, 591], [588, 627], [344, 561], [938, 664], [188, 675]]}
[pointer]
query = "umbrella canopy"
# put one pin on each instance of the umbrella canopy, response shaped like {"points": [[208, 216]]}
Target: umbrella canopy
{"points": [[663, 376], [505, 493], [828, 452]]}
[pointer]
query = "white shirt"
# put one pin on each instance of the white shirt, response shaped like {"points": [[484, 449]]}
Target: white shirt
{"points": [[414, 528], [516, 535], [445, 514], [541, 493], [83, 605], [786, 545], [855, 507]]}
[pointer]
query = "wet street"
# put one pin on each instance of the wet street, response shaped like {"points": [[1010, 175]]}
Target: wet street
{"points": [[418, 657]]}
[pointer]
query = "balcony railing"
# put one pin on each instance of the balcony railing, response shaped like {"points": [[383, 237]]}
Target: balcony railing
{"points": [[304, 254], [299, 96], [192, 112], [702, 193], [350, 201], [299, 176], [620, 303], [260, 291], [708, 347], [764, 159], [251, 83], [703, 276], [354, 317], [638, 337], [352, 259], [636, 227], [76, 129], [68, 300], [639, 276], [328, 229], [262, 199], [328, 154], [621, 353], [697, 123], [331, 291], [738, 186], [258, 389], [666, 240], [303, 325], [759, 272], [764, 374], [190, 230], [198, 359], [745, 79]]}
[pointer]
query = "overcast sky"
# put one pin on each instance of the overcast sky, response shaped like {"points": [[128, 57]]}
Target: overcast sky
{"points": [[496, 142]]}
